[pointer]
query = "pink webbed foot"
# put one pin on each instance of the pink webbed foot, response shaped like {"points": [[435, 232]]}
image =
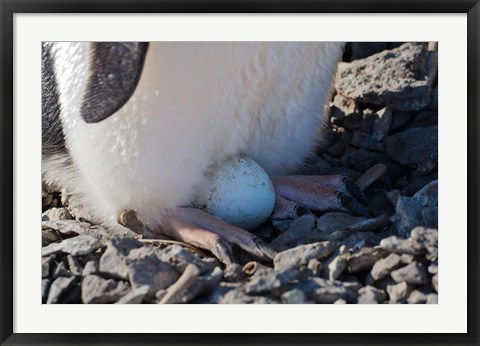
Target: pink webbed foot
{"points": [[200, 229], [294, 193]]}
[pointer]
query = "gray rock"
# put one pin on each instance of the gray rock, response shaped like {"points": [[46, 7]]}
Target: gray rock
{"points": [[97, 290], [413, 146], [428, 238], [400, 119], [337, 266], [205, 284], [345, 105], [61, 270], [126, 258], [46, 266], [402, 246], [381, 124], [366, 141], [330, 294], [145, 268], [265, 280], [434, 98], [294, 296], [113, 259], [238, 296], [397, 77], [301, 255], [371, 295], [417, 297], [428, 195], [364, 259], [432, 298], [301, 231], [74, 266], [91, 267], [385, 266], [430, 217], [414, 273], [73, 227], [435, 282], [178, 257], [315, 266], [408, 215], [135, 296], [59, 287], [233, 273], [45, 290], [76, 246], [433, 268], [333, 221], [398, 293], [362, 159], [55, 214], [50, 236]]}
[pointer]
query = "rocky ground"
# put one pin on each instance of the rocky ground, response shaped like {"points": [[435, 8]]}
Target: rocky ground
{"points": [[383, 135]]}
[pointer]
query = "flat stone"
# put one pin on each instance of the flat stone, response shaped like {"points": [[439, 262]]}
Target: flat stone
{"points": [[371, 295], [417, 297], [74, 227], [364, 259], [428, 195], [408, 215], [427, 237], [113, 259], [435, 282], [333, 221], [381, 124], [432, 298], [145, 268], [55, 214], [46, 266], [398, 293], [362, 159], [97, 290], [301, 231], [413, 146], [264, 280], [397, 77], [45, 290], [385, 266], [238, 296], [179, 257], [135, 296], [337, 266], [59, 287], [91, 267], [50, 236], [203, 285], [430, 217], [366, 141], [294, 296], [330, 294], [402, 246], [76, 246], [301, 255], [74, 266], [414, 273]]}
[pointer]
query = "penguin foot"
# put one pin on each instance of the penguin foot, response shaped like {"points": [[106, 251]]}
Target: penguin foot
{"points": [[200, 229], [296, 193]]}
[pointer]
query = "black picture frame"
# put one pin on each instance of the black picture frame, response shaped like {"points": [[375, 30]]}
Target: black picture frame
{"points": [[10, 7]]}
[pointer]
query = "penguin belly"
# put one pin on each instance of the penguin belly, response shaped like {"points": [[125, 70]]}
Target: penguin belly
{"points": [[195, 104]]}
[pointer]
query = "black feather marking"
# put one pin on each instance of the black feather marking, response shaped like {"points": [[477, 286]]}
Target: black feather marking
{"points": [[53, 139], [115, 71]]}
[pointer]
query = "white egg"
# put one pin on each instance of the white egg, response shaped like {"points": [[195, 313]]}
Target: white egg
{"points": [[239, 192]]}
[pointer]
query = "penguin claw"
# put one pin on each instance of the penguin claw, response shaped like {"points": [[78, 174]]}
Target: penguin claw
{"points": [[316, 193], [200, 229]]}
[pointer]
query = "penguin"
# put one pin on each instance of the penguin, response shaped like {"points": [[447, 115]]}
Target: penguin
{"points": [[135, 126]]}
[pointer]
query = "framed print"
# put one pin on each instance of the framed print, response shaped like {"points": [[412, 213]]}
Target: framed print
{"points": [[239, 173]]}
